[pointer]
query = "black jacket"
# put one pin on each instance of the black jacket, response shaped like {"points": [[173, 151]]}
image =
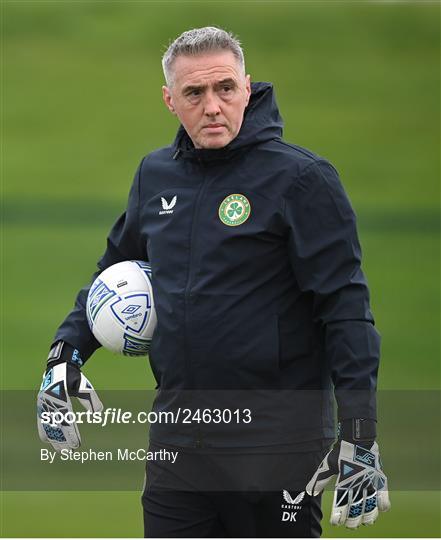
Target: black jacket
{"points": [[277, 306]]}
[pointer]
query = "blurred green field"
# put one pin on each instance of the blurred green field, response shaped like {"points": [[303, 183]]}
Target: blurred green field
{"points": [[356, 82]]}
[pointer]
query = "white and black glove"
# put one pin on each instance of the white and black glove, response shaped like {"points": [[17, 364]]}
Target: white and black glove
{"points": [[361, 490], [61, 380]]}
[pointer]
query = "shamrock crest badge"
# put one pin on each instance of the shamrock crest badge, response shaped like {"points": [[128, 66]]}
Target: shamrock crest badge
{"points": [[234, 210]]}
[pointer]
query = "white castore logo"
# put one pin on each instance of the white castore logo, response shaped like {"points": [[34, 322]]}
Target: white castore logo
{"points": [[167, 207], [291, 504], [287, 497]]}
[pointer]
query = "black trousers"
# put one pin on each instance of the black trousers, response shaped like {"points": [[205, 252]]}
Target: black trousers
{"points": [[207, 494]]}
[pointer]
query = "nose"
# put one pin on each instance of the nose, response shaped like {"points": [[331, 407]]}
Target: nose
{"points": [[211, 104]]}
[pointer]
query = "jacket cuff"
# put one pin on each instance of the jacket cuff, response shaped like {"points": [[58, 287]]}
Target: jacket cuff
{"points": [[352, 403]]}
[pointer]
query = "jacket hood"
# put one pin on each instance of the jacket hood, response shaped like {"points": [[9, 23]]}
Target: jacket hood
{"points": [[262, 122]]}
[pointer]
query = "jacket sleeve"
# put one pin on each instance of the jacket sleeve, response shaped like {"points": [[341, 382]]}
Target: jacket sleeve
{"points": [[123, 242], [326, 256]]}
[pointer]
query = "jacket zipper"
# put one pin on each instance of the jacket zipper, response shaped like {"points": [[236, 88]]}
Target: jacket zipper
{"points": [[192, 235], [198, 442]]}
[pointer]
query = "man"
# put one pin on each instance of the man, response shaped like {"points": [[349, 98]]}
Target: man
{"points": [[262, 308]]}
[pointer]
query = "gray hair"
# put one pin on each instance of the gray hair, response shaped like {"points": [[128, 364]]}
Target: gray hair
{"points": [[199, 41]]}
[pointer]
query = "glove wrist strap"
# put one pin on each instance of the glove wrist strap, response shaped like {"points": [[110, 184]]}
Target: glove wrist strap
{"points": [[357, 430], [64, 352]]}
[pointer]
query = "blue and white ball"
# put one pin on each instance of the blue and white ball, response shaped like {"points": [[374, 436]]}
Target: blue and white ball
{"points": [[121, 309]]}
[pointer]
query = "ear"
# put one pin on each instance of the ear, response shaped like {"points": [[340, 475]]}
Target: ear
{"points": [[168, 100], [248, 87]]}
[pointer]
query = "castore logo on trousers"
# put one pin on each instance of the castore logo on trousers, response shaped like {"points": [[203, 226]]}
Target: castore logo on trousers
{"points": [[292, 504]]}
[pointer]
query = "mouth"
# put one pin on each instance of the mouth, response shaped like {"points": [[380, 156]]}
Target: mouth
{"points": [[214, 128]]}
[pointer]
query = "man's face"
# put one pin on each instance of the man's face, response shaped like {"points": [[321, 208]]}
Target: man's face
{"points": [[209, 96]]}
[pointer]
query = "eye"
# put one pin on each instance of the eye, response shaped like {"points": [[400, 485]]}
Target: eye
{"points": [[193, 92]]}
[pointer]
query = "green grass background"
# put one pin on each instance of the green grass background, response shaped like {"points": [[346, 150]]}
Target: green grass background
{"points": [[356, 82]]}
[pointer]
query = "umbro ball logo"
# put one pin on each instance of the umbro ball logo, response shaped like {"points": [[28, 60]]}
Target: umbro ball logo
{"points": [[167, 207], [129, 310]]}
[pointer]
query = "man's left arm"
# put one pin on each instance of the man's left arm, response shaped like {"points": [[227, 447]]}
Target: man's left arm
{"points": [[326, 258]]}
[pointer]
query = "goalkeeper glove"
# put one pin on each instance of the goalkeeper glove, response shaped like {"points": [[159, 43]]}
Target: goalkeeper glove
{"points": [[61, 380], [361, 487]]}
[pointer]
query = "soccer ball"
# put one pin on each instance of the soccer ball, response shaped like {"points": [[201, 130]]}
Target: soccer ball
{"points": [[120, 308]]}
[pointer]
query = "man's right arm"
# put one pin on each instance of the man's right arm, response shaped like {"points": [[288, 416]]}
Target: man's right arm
{"points": [[74, 341], [124, 242]]}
